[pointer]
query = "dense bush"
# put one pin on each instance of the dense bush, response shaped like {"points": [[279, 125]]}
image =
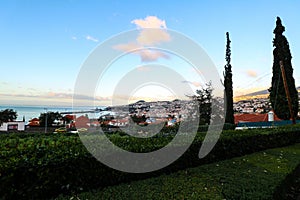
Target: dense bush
{"points": [[42, 166], [253, 176]]}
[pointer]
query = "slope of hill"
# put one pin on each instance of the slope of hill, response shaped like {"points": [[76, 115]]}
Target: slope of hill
{"points": [[257, 94]]}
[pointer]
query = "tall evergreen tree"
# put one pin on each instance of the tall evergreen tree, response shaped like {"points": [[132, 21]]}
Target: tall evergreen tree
{"points": [[278, 96], [229, 118]]}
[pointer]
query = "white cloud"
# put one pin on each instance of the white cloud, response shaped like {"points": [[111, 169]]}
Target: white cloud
{"points": [[149, 22], [152, 32], [88, 37], [74, 38], [153, 36]]}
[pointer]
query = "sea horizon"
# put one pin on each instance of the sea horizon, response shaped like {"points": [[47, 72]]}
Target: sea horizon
{"points": [[33, 111]]}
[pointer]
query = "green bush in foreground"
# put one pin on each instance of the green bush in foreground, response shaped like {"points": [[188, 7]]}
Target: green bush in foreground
{"points": [[253, 176], [45, 166]]}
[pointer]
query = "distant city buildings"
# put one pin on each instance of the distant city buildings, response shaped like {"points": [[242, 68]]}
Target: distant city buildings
{"points": [[167, 112], [257, 105]]}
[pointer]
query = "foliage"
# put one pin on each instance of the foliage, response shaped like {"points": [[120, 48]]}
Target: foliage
{"points": [[204, 98], [67, 119], [289, 187], [253, 176], [228, 126], [277, 97], [138, 119], [229, 117], [42, 165], [105, 118], [7, 115], [50, 117]]}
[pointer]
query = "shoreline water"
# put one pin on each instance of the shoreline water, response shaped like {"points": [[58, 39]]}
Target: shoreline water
{"points": [[30, 112]]}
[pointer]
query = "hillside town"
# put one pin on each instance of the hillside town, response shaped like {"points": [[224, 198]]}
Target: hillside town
{"points": [[256, 105], [142, 113]]}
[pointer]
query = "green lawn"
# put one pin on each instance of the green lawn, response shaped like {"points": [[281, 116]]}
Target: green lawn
{"points": [[253, 176]]}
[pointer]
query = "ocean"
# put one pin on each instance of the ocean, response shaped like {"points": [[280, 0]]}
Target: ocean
{"points": [[30, 112]]}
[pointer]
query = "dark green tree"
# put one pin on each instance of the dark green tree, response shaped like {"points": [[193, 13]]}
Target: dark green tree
{"points": [[138, 119], [7, 115], [105, 118], [228, 95], [51, 117], [204, 98], [278, 96]]}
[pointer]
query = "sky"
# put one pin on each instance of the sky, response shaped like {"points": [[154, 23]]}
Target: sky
{"points": [[44, 44]]}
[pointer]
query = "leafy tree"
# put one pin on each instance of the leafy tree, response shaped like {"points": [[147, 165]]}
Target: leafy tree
{"points": [[204, 98], [51, 117], [229, 117], [105, 118], [138, 119], [7, 115], [277, 96], [67, 119]]}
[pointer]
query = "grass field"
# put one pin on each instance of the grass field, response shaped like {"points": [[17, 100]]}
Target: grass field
{"points": [[254, 176]]}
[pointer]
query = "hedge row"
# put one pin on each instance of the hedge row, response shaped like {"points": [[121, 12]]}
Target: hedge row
{"points": [[253, 176], [43, 167]]}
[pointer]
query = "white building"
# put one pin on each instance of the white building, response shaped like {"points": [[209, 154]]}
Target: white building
{"points": [[16, 125]]}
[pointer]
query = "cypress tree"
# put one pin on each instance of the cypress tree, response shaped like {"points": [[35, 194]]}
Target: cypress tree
{"points": [[229, 118], [278, 97]]}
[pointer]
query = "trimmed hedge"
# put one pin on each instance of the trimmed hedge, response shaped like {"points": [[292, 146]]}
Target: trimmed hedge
{"points": [[42, 167], [254, 176]]}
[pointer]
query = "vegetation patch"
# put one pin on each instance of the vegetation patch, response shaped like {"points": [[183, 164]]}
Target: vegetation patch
{"points": [[253, 176], [42, 166]]}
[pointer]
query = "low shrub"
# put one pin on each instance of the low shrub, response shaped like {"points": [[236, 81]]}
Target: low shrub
{"points": [[254, 176], [45, 166]]}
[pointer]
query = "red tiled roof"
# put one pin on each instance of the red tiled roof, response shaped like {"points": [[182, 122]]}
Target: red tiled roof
{"points": [[70, 117], [253, 117], [82, 122], [34, 120], [95, 123], [34, 123]]}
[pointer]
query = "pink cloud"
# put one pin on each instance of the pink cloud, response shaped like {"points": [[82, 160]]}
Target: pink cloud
{"points": [[251, 73], [153, 36], [149, 55], [143, 68], [194, 83], [146, 54], [152, 32]]}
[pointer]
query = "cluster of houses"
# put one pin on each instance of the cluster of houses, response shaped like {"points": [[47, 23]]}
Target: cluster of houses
{"points": [[257, 105], [248, 113]]}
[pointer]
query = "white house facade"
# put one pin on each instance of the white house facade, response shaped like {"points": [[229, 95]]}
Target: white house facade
{"points": [[17, 125]]}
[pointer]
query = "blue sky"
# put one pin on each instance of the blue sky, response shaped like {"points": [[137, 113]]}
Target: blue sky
{"points": [[44, 43]]}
